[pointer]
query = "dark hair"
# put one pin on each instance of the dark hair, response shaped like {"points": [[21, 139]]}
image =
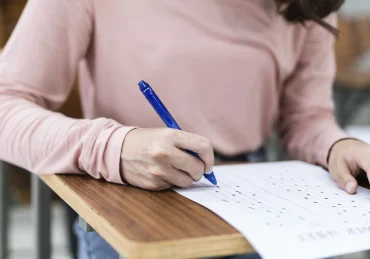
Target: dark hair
{"points": [[309, 10]]}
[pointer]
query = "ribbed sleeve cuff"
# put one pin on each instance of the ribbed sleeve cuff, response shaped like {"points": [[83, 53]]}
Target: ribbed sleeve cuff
{"points": [[113, 154]]}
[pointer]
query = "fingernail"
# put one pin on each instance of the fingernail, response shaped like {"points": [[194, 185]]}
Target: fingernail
{"points": [[209, 171], [349, 186]]}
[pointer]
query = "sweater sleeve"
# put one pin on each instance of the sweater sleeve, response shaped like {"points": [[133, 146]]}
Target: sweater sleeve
{"points": [[308, 126], [37, 70]]}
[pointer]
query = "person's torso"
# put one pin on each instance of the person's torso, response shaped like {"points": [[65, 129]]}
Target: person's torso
{"points": [[218, 65]]}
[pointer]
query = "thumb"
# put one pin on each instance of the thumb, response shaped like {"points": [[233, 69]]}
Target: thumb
{"points": [[351, 185], [343, 176]]}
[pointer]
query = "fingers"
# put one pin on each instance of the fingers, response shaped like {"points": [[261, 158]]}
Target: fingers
{"points": [[178, 178], [167, 176], [363, 161], [153, 184], [170, 174], [157, 186], [172, 156], [344, 178], [198, 144], [187, 163]]}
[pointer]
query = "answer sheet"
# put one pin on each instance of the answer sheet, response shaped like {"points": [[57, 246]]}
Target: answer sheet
{"points": [[288, 210]]}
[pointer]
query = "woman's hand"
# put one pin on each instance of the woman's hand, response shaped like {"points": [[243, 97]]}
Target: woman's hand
{"points": [[347, 159], [155, 159]]}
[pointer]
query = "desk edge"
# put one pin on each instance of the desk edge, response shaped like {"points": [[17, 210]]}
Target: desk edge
{"points": [[221, 245]]}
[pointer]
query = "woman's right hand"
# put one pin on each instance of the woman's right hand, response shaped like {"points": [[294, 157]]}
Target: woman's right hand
{"points": [[155, 159]]}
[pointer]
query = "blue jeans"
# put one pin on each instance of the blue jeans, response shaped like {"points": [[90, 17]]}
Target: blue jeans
{"points": [[92, 246]]}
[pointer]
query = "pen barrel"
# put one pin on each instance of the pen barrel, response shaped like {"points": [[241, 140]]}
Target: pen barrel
{"points": [[167, 118], [160, 109], [192, 153]]}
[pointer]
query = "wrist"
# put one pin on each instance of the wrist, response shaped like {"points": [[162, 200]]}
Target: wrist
{"points": [[339, 146], [121, 167]]}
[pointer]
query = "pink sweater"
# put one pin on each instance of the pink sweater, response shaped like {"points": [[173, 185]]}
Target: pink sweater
{"points": [[230, 70]]}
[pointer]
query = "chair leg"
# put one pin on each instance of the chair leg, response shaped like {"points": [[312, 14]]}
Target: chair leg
{"points": [[41, 205], [71, 218], [4, 212]]}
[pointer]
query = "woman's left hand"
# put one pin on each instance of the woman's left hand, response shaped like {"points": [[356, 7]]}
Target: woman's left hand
{"points": [[348, 158]]}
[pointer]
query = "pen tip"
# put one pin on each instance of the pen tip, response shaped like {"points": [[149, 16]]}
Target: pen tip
{"points": [[211, 177]]}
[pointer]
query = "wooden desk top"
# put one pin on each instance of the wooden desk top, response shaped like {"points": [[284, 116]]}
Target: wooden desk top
{"points": [[144, 224]]}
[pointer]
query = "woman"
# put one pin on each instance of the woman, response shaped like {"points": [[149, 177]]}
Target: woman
{"points": [[227, 71]]}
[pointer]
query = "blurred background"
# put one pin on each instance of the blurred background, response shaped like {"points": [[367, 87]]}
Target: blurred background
{"points": [[352, 92]]}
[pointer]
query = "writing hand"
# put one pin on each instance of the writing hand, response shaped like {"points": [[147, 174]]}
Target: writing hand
{"points": [[155, 159]]}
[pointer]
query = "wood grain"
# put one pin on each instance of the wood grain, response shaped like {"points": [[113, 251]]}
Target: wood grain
{"points": [[144, 224]]}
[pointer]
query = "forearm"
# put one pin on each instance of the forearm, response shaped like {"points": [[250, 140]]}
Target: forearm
{"points": [[311, 137], [45, 142]]}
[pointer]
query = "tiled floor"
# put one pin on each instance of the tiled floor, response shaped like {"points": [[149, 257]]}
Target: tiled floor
{"points": [[22, 234]]}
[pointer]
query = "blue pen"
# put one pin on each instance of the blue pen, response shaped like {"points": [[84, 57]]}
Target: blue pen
{"points": [[167, 118]]}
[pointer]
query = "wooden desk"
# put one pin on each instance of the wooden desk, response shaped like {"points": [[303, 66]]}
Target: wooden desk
{"points": [[143, 224]]}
